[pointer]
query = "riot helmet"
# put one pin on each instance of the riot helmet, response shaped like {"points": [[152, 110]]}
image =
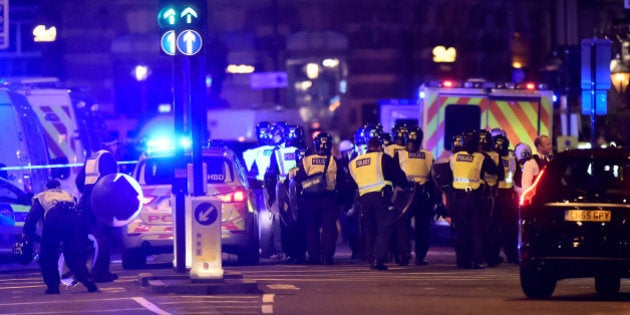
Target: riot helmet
{"points": [[522, 152], [387, 138], [346, 148], [278, 131], [458, 143], [399, 133], [485, 140], [263, 133], [470, 141], [371, 131], [501, 144], [323, 143], [294, 136], [414, 139], [497, 131], [358, 137]]}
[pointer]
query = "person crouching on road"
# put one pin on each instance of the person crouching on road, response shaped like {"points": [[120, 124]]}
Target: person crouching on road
{"points": [[375, 174], [318, 175], [62, 225]]}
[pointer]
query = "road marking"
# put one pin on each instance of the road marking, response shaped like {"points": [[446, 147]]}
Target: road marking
{"points": [[282, 286], [150, 306], [268, 298], [267, 309]]}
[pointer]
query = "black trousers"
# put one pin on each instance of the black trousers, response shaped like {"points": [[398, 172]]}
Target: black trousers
{"points": [[377, 225], [321, 212], [469, 221], [507, 212], [105, 236], [64, 226], [294, 240], [421, 210]]}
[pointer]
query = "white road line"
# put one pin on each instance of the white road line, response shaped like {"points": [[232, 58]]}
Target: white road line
{"points": [[268, 298], [267, 309], [150, 306]]}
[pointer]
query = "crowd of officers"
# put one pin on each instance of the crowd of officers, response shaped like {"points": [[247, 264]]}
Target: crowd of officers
{"points": [[385, 190]]}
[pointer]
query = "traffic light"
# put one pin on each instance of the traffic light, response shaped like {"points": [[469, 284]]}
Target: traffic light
{"points": [[183, 25]]}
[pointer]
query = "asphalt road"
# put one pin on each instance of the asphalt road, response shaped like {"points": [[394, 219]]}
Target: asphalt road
{"points": [[348, 287]]}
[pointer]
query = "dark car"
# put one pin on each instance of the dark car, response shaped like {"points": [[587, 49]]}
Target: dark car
{"points": [[575, 222]]}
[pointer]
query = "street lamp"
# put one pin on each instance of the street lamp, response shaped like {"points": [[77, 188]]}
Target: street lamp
{"points": [[620, 77]]}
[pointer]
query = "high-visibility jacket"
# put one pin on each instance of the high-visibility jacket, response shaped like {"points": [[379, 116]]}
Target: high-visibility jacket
{"points": [[392, 149], [492, 180], [509, 167], [416, 165], [367, 172], [315, 164], [92, 170], [286, 158], [51, 197], [466, 169]]}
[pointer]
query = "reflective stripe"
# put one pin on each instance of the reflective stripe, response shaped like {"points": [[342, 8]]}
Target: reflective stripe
{"points": [[49, 198], [466, 169], [286, 158]]}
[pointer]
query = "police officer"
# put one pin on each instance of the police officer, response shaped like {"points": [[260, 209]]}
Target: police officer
{"points": [[62, 224], [101, 163], [492, 241], [416, 163], [399, 139], [360, 144], [318, 174], [349, 216], [375, 175], [522, 154], [468, 215], [506, 201], [283, 160], [532, 168], [257, 159]]}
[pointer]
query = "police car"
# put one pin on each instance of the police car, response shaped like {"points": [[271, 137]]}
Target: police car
{"points": [[152, 231], [14, 207]]}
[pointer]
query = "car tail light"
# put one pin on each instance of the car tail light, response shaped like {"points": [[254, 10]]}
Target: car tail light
{"points": [[528, 194], [235, 196], [147, 199]]}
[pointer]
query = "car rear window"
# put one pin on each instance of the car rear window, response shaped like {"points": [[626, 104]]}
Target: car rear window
{"points": [[159, 170], [592, 174]]}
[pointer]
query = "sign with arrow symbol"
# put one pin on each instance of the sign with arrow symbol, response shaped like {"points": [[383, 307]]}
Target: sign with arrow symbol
{"points": [[206, 213], [189, 42]]}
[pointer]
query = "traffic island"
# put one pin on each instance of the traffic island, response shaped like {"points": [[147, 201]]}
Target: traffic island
{"points": [[232, 283]]}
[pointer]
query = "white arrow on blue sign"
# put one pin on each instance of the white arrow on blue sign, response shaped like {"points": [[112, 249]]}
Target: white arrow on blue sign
{"points": [[189, 42], [206, 213], [167, 42]]}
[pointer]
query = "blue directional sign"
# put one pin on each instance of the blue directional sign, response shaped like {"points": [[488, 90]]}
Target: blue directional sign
{"points": [[189, 42], [167, 43], [206, 213]]}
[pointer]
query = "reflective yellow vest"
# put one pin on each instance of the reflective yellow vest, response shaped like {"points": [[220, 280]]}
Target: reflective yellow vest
{"points": [[392, 149], [416, 165], [49, 198], [92, 173], [491, 180], [315, 164], [285, 157], [466, 169], [367, 172], [509, 167]]}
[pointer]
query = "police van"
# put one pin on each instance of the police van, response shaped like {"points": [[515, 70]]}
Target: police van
{"points": [[152, 231]]}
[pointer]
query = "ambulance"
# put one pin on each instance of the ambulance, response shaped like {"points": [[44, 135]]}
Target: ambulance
{"points": [[447, 108]]}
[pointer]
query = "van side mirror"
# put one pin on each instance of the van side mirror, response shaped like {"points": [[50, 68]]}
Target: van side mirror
{"points": [[58, 171]]}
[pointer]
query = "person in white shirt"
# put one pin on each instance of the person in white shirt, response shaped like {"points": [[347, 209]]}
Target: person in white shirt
{"points": [[532, 167]]}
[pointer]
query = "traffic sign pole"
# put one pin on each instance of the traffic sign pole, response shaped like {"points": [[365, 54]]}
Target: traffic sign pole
{"points": [[595, 80]]}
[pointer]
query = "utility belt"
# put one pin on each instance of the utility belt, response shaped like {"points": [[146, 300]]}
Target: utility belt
{"points": [[466, 191]]}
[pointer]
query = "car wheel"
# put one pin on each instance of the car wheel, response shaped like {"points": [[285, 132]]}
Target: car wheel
{"points": [[607, 284], [249, 254], [537, 284], [133, 258]]}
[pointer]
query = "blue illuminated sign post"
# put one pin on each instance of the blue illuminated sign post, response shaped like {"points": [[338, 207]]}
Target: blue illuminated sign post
{"points": [[183, 23], [595, 79]]}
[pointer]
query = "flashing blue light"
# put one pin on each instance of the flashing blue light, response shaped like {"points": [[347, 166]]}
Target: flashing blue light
{"points": [[554, 98], [208, 81], [421, 95], [166, 144]]}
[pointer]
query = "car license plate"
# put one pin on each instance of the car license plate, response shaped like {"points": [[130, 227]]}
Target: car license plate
{"points": [[587, 215]]}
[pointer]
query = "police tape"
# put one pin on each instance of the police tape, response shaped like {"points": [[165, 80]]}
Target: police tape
{"points": [[35, 167]]}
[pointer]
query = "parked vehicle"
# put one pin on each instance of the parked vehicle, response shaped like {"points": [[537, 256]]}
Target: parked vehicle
{"points": [[152, 231], [575, 222]]}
